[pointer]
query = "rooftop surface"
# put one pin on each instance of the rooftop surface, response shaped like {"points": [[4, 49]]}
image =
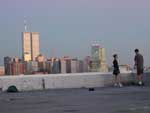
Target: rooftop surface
{"points": [[131, 99]]}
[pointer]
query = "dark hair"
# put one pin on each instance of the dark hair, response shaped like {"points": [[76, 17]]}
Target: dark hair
{"points": [[136, 50], [115, 55]]}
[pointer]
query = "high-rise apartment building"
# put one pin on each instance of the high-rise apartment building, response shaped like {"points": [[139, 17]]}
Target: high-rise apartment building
{"points": [[30, 43], [13, 66], [7, 64]]}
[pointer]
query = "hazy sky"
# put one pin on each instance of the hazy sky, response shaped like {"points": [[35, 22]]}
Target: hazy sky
{"points": [[69, 27]]}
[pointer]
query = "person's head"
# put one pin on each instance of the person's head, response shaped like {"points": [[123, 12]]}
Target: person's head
{"points": [[115, 56], [136, 51]]}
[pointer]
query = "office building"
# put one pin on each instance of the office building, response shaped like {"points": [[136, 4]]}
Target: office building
{"points": [[95, 57], [30, 46], [98, 59], [103, 64], [34, 45], [26, 46]]}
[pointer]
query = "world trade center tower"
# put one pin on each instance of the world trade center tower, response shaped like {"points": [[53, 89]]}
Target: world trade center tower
{"points": [[30, 45]]}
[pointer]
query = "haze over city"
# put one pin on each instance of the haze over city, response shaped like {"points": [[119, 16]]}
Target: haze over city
{"points": [[70, 27]]}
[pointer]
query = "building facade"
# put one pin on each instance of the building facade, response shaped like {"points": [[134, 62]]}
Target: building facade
{"points": [[103, 64], [35, 49], [7, 65], [2, 70], [30, 46], [95, 57], [98, 59], [26, 46], [13, 66]]}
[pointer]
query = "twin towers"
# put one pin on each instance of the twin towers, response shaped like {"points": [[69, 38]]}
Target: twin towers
{"points": [[30, 46]]}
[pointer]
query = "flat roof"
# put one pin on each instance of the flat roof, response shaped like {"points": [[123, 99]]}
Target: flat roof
{"points": [[133, 99]]}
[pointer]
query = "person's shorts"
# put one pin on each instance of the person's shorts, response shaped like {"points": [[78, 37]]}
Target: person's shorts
{"points": [[116, 72], [139, 71]]}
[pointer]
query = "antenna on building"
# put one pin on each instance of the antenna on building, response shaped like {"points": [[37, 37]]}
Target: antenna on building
{"points": [[25, 25]]}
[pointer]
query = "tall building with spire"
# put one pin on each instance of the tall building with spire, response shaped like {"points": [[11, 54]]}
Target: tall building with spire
{"points": [[30, 44]]}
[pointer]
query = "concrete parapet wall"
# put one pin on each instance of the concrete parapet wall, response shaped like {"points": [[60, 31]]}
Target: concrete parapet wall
{"points": [[55, 81]]}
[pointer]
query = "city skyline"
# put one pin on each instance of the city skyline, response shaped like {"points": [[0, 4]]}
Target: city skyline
{"points": [[70, 27]]}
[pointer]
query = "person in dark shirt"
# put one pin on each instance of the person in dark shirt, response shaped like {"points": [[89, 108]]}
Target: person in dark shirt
{"points": [[139, 65], [116, 71]]}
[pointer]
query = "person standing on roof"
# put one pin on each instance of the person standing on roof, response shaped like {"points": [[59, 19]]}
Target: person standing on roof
{"points": [[139, 65]]}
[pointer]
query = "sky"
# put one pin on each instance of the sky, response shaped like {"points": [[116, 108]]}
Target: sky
{"points": [[69, 27]]}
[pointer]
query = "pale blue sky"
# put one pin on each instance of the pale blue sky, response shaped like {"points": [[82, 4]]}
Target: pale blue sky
{"points": [[69, 27]]}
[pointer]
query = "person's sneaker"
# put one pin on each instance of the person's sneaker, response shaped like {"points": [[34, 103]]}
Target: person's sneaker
{"points": [[115, 84], [120, 85], [140, 83]]}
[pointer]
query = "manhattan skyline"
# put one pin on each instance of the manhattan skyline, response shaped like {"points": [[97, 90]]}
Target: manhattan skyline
{"points": [[70, 27]]}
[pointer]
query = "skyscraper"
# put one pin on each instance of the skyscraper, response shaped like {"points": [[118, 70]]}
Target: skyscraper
{"points": [[26, 46], [95, 57], [34, 45], [98, 59], [30, 45], [103, 64]]}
